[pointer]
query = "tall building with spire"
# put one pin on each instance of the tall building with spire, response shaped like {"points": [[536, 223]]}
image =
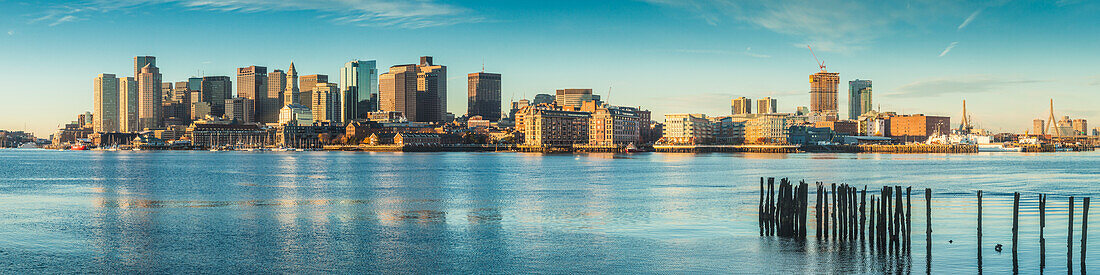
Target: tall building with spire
{"points": [[859, 98], [252, 84], [105, 104], [149, 97], [291, 94], [358, 85], [483, 95]]}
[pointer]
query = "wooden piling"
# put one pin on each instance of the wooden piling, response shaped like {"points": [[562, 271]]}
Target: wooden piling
{"points": [[862, 213], [835, 221], [872, 224], [928, 228], [1042, 237], [1069, 239], [825, 215], [760, 207], [1015, 220], [817, 211], [908, 218], [898, 222], [771, 208], [979, 228], [1084, 231]]}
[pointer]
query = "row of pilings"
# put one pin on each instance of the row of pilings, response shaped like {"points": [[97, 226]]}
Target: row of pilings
{"points": [[783, 210], [847, 214]]}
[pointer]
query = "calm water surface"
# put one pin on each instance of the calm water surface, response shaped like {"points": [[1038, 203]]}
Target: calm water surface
{"points": [[310, 212]]}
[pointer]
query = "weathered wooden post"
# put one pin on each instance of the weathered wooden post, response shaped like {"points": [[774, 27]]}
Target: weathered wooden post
{"points": [[1069, 239], [871, 227], [835, 209], [771, 207], [979, 229], [1042, 237], [862, 213], [1084, 231], [760, 207], [908, 219], [928, 229], [898, 220], [817, 211], [1015, 220], [825, 215]]}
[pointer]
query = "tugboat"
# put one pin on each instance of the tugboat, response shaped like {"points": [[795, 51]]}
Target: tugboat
{"points": [[78, 147], [630, 148]]}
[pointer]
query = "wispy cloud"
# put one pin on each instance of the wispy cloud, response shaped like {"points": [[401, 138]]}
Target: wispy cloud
{"points": [[377, 13], [966, 84], [748, 51], [948, 49], [969, 19], [11, 32]]}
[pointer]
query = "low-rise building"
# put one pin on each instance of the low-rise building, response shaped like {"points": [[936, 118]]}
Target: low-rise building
{"points": [[207, 135], [687, 129], [417, 139], [843, 127], [555, 128], [614, 126], [918, 127], [767, 129]]}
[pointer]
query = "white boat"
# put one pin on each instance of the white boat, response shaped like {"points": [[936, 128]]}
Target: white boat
{"points": [[997, 147]]}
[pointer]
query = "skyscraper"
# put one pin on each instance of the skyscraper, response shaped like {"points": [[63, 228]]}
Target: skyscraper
{"points": [[128, 105], [149, 97], [417, 91], [859, 98], [326, 102], [215, 90], [432, 81], [194, 83], [141, 61], [823, 90], [276, 87], [166, 91], [484, 95], [766, 105], [240, 109], [252, 84], [741, 106], [105, 104], [306, 85], [358, 84], [291, 94]]}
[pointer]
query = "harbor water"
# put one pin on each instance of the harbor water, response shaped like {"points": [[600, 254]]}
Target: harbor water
{"points": [[459, 212]]}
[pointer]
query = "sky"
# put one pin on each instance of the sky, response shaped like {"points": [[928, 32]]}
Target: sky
{"points": [[1007, 59]]}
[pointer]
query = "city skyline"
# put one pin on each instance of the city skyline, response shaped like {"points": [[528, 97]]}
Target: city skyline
{"points": [[989, 54]]}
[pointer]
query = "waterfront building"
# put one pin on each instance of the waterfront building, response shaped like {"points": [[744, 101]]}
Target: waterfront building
{"points": [[556, 128], [687, 129], [740, 106], [240, 109], [291, 93], [418, 91], [729, 130], [294, 114], [311, 135], [252, 84], [767, 129], [844, 127], [141, 62], [276, 86], [810, 135], [149, 97], [308, 82], [358, 85], [859, 98], [326, 103], [874, 123], [215, 90], [766, 105], [210, 134], [128, 104], [543, 99], [823, 91], [918, 127], [105, 104], [575, 97], [614, 126], [483, 95]]}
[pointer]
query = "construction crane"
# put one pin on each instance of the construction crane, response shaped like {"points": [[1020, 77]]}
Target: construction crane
{"points": [[819, 63]]}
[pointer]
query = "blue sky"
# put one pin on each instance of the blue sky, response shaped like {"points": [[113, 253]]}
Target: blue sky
{"points": [[1006, 58]]}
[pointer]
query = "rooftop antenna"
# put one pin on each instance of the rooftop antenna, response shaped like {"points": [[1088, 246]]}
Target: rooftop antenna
{"points": [[820, 63]]}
